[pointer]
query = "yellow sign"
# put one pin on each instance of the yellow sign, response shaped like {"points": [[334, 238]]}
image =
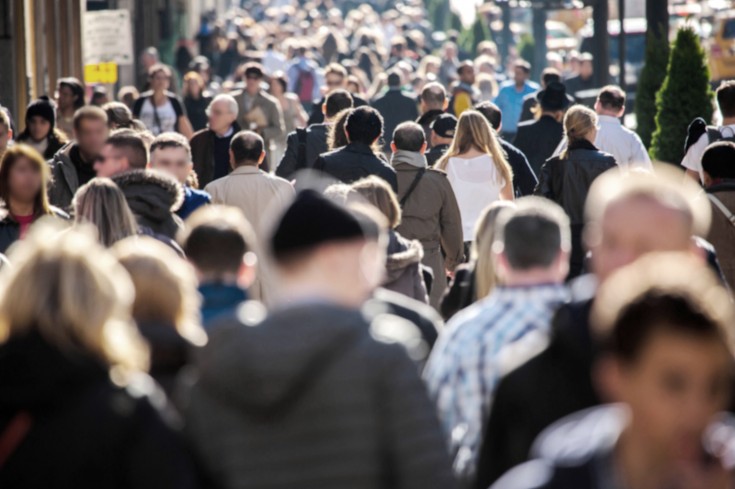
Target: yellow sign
{"points": [[101, 73]]}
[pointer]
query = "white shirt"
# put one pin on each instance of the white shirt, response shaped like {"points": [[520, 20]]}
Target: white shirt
{"points": [[693, 159], [166, 117], [476, 184], [619, 141]]}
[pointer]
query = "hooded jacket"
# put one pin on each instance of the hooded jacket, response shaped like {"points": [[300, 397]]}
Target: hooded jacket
{"points": [[153, 197], [313, 397], [83, 430], [404, 267]]}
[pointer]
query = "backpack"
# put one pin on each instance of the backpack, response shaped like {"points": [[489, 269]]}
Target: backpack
{"points": [[715, 134], [305, 86]]}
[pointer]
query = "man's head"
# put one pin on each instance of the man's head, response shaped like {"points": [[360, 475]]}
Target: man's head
{"points": [[492, 113], [466, 72], [433, 97], [549, 75], [364, 125], [409, 136], [335, 102], [69, 94], [610, 101], [726, 98], [585, 65], [6, 133], [395, 79], [335, 76], [124, 150], [521, 71], [90, 131], [326, 251], [532, 243], [629, 215], [170, 153], [222, 113], [664, 325], [253, 77], [717, 163], [246, 149], [443, 129], [226, 230]]}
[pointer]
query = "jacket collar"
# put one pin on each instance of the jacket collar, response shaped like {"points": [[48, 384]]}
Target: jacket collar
{"points": [[582, 144], [245, 170], [359, 148]]}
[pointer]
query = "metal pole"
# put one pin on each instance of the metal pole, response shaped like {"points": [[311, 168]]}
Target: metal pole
{"points": [[601, 42], [507, 36], [539, 37], [621, 44]]}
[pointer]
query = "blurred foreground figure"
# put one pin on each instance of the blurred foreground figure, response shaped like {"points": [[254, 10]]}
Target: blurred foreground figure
{"points": [[314, 396], [66, 335], [664, 329]]}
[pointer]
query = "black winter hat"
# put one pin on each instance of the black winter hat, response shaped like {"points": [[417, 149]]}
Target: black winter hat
{"points": [[312, 220], [554, 97], [42, 108], [718, 160], [444, 126]]}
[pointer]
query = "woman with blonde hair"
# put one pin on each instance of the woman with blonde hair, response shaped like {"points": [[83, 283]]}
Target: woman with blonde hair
{"points": [[102, 204], [477, 169], [566, 178], [166, 305], [73, 395]]}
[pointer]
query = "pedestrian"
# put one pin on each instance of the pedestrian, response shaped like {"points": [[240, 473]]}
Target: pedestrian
{"points": [[304, 145], [430, 213], [530, 101], [395, 106], [158, 108], [73, 165], [101, 204], [119, 116], [524, 178], [566, 179], [259, 111], [40, 132], [24, 179], [537, 139], [304, 79], [220, 243], [665, 316], [510, 97], [335, 78], [69, 99], [166, 306], [123, 151], [464, 93], [74, 394], [584, 81], [170, 153], [403, 256], [432, 104], [363, 128], [477, 169], [210, 147], [531, 250], [196, 100], [341, 407], [294, 114], [441, 135], [6, 132]]}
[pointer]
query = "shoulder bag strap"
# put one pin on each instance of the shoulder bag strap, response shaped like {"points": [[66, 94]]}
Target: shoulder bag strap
{"points": [[718, 203], [413, 186]]}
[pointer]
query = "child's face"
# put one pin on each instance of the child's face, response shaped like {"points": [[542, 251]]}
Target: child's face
{"points": [[674, 388]]}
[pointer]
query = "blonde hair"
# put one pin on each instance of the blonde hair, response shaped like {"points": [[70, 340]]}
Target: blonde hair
{"points": [[379, 194], [481, 252], [474, 131], [102, 204], [72, 292], [165, 286], [578, 122]]}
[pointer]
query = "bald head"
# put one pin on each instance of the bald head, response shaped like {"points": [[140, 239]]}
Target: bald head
{"points": [[246, 149]]}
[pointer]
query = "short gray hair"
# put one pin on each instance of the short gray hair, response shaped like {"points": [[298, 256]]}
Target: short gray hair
{"points": [[229, 99]]}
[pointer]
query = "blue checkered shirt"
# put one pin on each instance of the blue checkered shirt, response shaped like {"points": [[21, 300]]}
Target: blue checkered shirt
{"points": [[463, 371]]}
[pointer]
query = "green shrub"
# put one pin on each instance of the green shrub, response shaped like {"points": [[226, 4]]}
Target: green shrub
{"points": [[649, 83]]}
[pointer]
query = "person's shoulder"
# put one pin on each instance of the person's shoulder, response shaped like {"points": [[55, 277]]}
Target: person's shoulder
{"points": [[200, 195], [268, 97], [528, 125], [200, 135]]}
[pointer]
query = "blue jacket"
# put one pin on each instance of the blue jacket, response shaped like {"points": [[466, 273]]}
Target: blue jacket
{"points": [[193, 200], [220, 299]]}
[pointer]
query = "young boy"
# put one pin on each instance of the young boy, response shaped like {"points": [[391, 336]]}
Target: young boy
{"points": [[664, 325]]}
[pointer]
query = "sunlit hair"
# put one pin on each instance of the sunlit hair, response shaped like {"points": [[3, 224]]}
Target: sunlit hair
{"points": [[336, 138], [379, 194], [481, 253], [11, 157], [474, 132], [579, 121], [74, 294], [119, 116], [165, 286], [102, 204], [192, 75]]}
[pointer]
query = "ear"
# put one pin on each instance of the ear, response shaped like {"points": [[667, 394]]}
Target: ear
{"points": [[324, 109], [247, 272], [501, 264], [393, 147], [423, 148], [707, 179], [262, 157], [10, 134], [232, 159], [609, 379], [446, 104]]}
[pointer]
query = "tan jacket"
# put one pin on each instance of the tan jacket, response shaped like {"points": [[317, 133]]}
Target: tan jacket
{"points": [[266, 113], [722, 233]]}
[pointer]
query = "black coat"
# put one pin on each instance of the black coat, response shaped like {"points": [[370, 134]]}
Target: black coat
{"points": [[395, 107], [435, 154], [426, 120], [317, 116], [524, 178], [202, 153], [356, 161], [538, 139], [10, 229], [315, 144], [84, 430]]}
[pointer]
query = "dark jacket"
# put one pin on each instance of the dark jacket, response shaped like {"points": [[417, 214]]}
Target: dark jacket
{"points": [[425, 120], [202, 153], [65, 180], [169, 353], [353, 162], [54, 145], [395, 107], [461, 292], [422, 315], [153, 197], [219, 299], [538, 139], [530, 101], [193, 200], [524, 178], [435, 153], [549, 386], [403, 267], [334, 405], [84, 430], [317, 116], [315, 143], [10, 229], [722, 231], [196, 110]]}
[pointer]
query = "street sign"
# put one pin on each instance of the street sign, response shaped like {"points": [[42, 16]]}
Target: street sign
{"points": [[100, 73], [107, 37]]}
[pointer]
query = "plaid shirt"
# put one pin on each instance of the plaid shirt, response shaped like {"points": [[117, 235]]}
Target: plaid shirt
{"points": [[463, 371]]}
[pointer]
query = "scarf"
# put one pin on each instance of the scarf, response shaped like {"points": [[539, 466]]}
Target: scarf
{"points": [[409, 157]]}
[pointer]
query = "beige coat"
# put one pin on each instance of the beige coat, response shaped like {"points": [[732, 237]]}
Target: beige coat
{"points": [[259, 196], [266, 114]]}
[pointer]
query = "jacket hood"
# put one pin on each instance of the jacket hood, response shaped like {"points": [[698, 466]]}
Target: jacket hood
{"points": [[402, 254], [151, 194], [264, 366]]}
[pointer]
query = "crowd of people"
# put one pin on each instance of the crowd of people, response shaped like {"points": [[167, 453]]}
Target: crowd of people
{"points": [[348, 254]]}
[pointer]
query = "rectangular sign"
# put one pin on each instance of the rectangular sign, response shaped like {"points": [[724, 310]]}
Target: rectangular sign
{"points": [[108, 37], [100, 73]]}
